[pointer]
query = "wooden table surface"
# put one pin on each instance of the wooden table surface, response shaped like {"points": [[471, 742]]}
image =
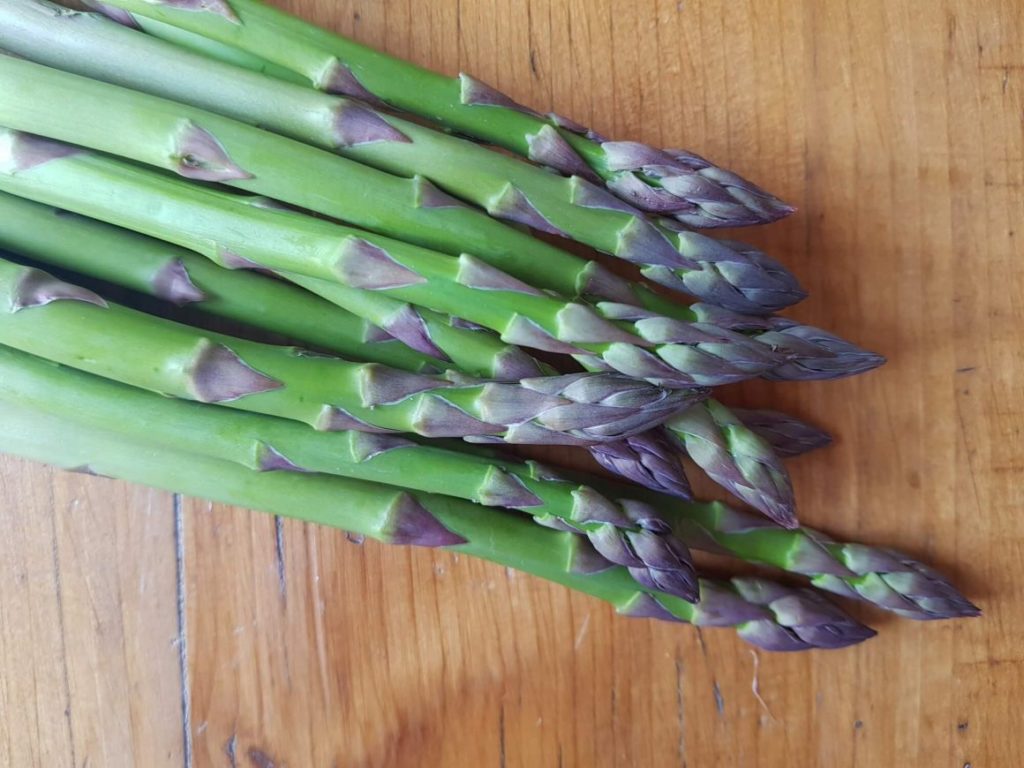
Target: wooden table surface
{"points": [[141, 629]]}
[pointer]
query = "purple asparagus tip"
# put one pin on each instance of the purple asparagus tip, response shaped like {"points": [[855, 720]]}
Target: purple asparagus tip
{"points": [[688, 187], [895, 582], [787, 435], [801, 619], [648, 459], [737, 459], [829, 357]]}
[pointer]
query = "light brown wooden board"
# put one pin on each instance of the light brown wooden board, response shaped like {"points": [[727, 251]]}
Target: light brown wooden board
{"points": [[896, 127]]}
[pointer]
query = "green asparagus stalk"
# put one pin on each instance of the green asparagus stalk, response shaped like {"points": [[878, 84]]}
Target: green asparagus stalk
{"points": [[727, 269], [624, 532], [106, 252], [670, 182], [738, 277], [71, 242], [68, 324], [236, 233], [131, 260], [764, 613], [152, 267]]}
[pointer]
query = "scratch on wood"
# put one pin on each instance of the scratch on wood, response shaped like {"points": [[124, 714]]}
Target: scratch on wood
{"points": [[680, 711], [59, 589], [582, 633], [755, 686], [186, 688], [282, 576], [715, 690], [231, 749], [501, 736]]}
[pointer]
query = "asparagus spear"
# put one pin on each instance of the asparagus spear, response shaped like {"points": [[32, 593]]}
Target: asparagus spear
{"points": [[233, 232], [68, 241], [118, 256], [65, 323], [552, 270], [624, 532], [160, 269], [734, 276], [672, 181], [812, 353], [886, 578], [764, 613], [753, 274], [152, 267], [787, 435], [736, 458]]}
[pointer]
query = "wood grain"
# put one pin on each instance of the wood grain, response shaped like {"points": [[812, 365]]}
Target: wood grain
{"points": [[898, 129]]}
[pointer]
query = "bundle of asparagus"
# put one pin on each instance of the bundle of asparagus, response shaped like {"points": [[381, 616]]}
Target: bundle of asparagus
{"points": [[232, 163]]}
